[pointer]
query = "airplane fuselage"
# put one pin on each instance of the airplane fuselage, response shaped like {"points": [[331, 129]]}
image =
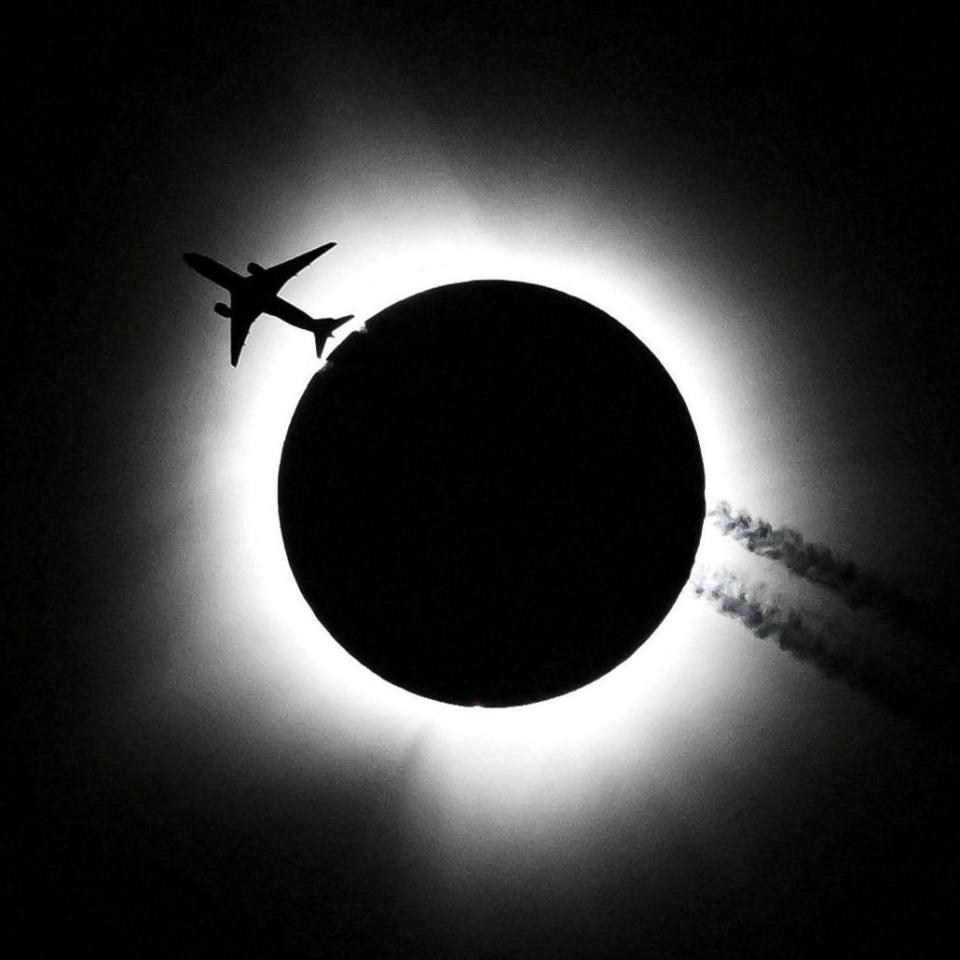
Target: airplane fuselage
{"points": [[255, 296]]}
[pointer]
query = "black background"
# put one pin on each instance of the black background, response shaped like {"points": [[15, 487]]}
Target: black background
{"points": [[786, 147]]}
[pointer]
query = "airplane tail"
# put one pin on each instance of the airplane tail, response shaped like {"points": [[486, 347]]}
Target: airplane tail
{"points": [[323, 327]]}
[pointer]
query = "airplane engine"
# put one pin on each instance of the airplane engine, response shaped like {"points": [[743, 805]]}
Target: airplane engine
{"points": [[222, 309], [254, 268]]}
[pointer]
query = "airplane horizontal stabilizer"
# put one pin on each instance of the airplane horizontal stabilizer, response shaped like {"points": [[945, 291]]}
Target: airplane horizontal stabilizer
{"points": [[323, 328]]}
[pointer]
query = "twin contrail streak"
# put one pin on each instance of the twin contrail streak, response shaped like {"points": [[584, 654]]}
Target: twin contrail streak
{"points": [[912, 679], [858, 588]]}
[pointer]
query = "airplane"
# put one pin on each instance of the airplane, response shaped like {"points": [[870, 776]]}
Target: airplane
{"points": [[257, 292]]}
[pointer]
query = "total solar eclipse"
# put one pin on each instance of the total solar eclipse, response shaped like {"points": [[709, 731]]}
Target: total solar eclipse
{"points": [[492, 495]]}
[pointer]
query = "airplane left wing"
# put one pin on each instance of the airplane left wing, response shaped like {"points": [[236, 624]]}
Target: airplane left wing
{"points": [[290, 268]]}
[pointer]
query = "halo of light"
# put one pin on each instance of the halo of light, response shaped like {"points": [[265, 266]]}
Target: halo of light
{"points": [[263, 638]]}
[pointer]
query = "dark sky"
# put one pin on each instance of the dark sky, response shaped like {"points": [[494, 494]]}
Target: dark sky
{"points": [[784, 175]]}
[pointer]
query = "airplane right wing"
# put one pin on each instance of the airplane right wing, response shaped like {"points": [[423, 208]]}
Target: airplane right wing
{"points": [[240, 325], [212, 270]]}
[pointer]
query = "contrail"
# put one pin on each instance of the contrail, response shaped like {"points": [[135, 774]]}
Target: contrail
{"points": [[856, 587], [905, 678]]}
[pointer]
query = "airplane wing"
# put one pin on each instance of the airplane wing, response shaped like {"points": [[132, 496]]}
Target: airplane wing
{"points": [[240, 324], [212, 270], [290, 268]]}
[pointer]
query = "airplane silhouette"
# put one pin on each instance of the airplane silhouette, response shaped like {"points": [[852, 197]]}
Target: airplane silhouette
{"points": [[257, 293]]}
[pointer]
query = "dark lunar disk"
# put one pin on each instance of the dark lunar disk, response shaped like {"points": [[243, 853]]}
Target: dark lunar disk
{"points": [[493, 495]]}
